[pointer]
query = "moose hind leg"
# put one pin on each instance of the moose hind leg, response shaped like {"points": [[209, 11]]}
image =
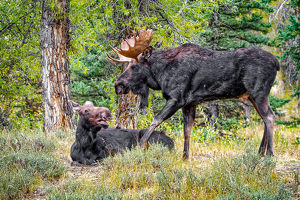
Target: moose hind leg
{"points": [[271, 121], [265, 111], [188, 116]]}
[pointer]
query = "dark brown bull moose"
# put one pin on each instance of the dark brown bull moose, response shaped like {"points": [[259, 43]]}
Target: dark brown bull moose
{"points": [[190, 74]]}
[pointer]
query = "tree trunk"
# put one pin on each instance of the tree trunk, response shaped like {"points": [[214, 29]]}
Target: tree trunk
{"points": [[213, 114], [247, 109], [128, 110], [55, 66], [213, 105]]}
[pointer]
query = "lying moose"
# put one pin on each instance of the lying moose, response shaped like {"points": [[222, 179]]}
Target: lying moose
{"points": [[190, 74], [94, 141]]}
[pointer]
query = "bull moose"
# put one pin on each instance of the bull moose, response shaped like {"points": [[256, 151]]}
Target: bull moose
{"points": [[191, 74]]}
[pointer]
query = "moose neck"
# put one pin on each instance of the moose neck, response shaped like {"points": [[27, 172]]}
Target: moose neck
{"points": [[84, 133], [152, 75]]}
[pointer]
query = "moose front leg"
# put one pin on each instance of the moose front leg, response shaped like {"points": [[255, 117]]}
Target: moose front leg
{"points": [[189, 113], [169, 109]]}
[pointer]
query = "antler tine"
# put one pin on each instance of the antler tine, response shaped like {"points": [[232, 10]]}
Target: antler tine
{"points": [[115, 60], [115, 50], [129, 46], [129, 42], [122, 59], [134, 37]]}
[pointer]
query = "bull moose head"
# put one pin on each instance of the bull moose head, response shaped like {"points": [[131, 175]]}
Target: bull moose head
{"points": [[132, 53]]}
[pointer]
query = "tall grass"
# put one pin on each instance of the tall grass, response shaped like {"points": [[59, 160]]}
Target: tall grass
{"points": [[246, 176]]}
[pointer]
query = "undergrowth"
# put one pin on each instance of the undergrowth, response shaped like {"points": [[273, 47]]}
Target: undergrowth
{"points": [[158, 174], [26, 160], [82, 189]]}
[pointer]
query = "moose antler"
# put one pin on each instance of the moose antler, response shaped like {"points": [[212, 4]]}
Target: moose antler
{"points": [[132, 47]]}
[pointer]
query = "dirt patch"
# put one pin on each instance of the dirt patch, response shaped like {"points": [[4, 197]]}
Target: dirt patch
{"points": [[85, 172]]}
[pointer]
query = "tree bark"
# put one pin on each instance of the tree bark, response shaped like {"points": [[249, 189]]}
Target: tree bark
{"points": [[128, 109], [213, 113], [247, 109], [213, 105], [55, 66]]}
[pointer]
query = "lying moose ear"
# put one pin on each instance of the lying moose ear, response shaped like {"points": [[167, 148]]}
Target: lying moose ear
{"points": [[88, 104], [76, 106]]}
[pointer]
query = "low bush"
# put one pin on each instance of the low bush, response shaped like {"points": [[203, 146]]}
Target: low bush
{"points": [[159, 174], [25, 161], [246, 176], [81, 189]]}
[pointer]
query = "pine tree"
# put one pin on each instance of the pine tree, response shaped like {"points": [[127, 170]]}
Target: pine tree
{"points": [[88, 79], [239, 23]]}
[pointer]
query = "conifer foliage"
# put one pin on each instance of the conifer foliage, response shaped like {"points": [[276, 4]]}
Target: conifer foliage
{"points": [[289, 38], [238, 23]]}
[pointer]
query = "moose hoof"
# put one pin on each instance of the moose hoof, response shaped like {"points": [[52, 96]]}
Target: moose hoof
{"points": [[270, 153], [185, 156]]}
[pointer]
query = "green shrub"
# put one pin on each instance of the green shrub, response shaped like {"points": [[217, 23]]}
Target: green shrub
{"points": [[293, 123], [14, 182], [92, 79], [277, 103]]}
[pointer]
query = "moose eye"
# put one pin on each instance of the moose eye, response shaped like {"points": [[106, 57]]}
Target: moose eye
{"points": [[133, 67]]}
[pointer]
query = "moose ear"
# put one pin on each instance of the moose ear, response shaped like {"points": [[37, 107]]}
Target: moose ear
{"points": [[147, 53]]}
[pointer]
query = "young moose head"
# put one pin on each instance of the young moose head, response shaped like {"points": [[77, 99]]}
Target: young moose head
{"points": [[132, 53], [92, 117]]}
